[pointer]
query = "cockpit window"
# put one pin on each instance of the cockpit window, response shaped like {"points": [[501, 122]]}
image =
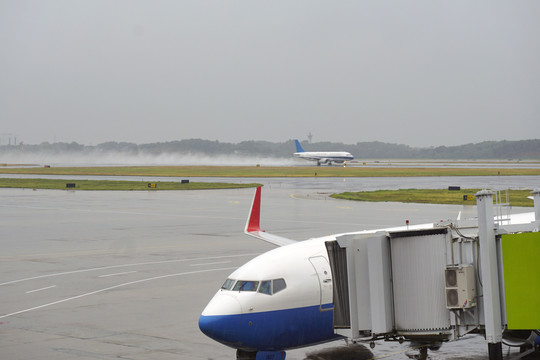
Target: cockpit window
{"points": [[228, 284], [246, 285], [279, 284], [266, 287]]}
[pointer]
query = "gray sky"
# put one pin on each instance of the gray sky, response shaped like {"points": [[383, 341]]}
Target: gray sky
{"points": [[421, 73]]}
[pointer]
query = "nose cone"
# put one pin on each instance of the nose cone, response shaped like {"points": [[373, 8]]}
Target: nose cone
{"points": [[217, 319]]}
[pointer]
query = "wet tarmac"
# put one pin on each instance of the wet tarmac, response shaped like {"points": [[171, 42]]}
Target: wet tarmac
{"points": [[103, 275], [336, 184]]}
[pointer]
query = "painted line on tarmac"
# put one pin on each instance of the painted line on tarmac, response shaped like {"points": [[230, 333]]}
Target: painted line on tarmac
{"points": [[116, 274], [182, 215], [111, 288], [45, 288], [126, 265], [212, 263], [307, 197]]}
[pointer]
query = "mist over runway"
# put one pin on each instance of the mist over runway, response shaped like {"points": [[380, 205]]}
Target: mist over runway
{"points": [[98, 158]]}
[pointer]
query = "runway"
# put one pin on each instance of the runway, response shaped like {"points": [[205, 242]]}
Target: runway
{"points": [[103, 275]]}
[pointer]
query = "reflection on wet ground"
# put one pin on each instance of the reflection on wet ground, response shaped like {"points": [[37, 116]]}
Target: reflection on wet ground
{"points": [[345, 352], [411, 351], [470, 347]]}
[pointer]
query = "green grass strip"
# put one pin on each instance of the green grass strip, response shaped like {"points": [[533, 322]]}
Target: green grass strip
{"points": [[433, 196], [263, 171], [114, 185]]}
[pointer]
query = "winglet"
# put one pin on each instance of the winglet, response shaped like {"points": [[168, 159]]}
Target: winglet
{"points": [[253, 223], [299, 147]]}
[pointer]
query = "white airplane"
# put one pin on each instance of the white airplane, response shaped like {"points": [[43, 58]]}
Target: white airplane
{"points": [[280, 300], [328, 157]]}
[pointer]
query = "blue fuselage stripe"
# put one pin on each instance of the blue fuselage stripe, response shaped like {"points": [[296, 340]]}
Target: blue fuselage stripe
{"points": [[271, 330]]}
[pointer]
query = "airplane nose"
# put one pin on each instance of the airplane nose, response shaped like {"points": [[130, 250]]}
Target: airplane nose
{"points": [[210, 326], [215, 321]]}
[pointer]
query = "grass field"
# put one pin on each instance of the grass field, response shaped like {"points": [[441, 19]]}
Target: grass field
{"points": [[263, 171], [431, 196], [517, 197], [114, 185]]}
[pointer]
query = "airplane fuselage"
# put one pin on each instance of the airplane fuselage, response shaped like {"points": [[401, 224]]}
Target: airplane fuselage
{"points": [[279, 300], [325, 157]]}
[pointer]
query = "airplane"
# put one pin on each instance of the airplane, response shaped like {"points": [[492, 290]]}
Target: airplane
{"points": [[279, 300], [328, 157], [282, 299]]}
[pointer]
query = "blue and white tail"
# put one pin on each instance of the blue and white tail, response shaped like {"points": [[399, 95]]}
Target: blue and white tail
{"points": [[299, 147]]}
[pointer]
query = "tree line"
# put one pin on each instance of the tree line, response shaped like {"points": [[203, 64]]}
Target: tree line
{"points": [[515, 150]]}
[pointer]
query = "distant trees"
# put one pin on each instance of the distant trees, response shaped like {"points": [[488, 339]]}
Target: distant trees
{"points": [[59, 147], [523, 149]]}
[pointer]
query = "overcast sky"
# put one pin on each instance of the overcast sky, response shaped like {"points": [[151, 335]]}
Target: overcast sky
{"points": [[421, 73]]}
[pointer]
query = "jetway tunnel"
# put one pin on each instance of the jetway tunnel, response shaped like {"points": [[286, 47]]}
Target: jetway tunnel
{"points": [[391, 284], [439, 283]]}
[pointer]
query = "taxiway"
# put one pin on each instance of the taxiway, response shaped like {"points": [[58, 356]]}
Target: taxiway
{"points": [[102, 275]]}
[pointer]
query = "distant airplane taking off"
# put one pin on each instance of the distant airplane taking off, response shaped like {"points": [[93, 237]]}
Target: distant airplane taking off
{"points": [[322, 157]]}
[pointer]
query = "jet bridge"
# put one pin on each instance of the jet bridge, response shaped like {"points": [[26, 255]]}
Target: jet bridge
{"points": [[442, 282]]}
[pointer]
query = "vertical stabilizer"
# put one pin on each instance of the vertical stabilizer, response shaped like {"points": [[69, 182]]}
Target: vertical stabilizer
{"points": [[299, 147], [253, 223], [253, 227]]}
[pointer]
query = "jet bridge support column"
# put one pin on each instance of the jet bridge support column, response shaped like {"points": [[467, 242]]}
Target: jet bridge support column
{"points": [[536, 198], [489, 274]]}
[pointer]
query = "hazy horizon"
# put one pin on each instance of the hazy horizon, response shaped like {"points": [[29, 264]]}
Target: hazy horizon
{"points": [[417, 73], [4, 141], [268, 154], [116, 158]]}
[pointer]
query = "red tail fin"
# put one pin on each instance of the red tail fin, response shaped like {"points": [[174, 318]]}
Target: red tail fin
{"points": [[253, 223]]}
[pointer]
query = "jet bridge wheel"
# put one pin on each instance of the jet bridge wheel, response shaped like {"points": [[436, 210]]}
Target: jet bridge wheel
{"points": [[245, 355]]}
